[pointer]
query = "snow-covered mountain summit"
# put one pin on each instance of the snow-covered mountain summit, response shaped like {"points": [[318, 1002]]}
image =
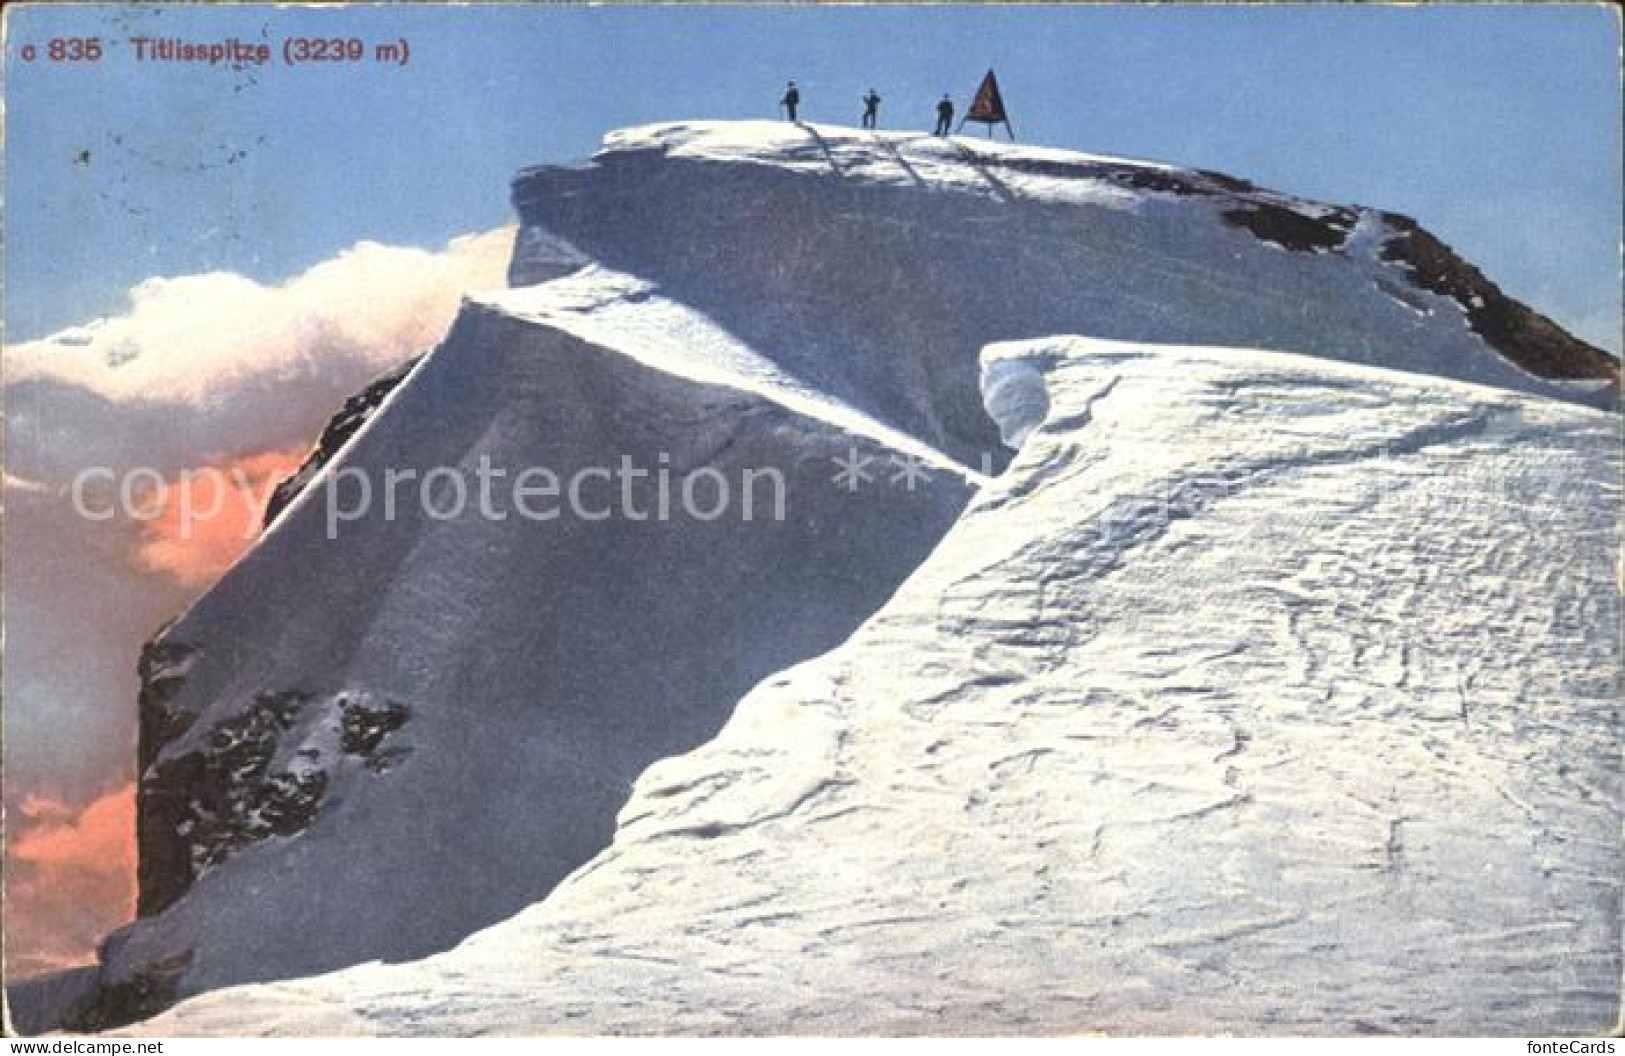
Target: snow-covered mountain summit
{"points": [[1243, 652], [876, 265]]}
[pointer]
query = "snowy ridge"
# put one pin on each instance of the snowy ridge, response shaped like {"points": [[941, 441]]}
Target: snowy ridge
{"points": [[899, 255], [622, 314], [1258, 695], [904, 159]]}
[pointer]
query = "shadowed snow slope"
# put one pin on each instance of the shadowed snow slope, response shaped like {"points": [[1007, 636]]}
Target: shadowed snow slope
{"points": [[371, 745], [1259, 694]]}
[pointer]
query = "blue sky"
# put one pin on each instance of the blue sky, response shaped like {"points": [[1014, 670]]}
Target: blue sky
{"points": [[1497, 127]]}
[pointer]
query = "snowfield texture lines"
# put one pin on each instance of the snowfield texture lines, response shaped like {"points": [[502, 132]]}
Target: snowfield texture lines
{"points": [[1260, 694]]}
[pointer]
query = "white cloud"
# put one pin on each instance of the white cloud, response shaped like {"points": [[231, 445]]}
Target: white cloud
{"points": [[201, 369], [188, 338], [217, 364]]}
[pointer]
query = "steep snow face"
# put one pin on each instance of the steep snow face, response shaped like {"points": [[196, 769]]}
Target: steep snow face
{"points": [[874, 266], [370, 744], [1259, 694]]}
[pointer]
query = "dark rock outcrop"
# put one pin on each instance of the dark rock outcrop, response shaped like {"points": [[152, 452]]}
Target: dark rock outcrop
{"points": [[1526, 337], [1291, 229], [196, 809], [144, 993], [247, 780], [355, 413], [1520, 333]]}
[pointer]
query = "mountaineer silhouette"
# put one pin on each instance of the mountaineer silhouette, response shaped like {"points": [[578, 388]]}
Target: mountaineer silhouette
{"points": [[945, 116], [871, 109], [791, 100]]}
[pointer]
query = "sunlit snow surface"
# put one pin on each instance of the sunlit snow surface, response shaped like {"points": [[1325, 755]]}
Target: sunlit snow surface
{"points": [[1259, 694]]}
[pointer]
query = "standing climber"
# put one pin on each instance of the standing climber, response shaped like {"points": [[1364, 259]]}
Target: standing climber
{"points": [[871, 109], [791, 100], [945, 116]]}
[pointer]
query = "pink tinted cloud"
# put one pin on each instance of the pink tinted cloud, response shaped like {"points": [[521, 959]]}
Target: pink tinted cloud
{"points": [[70, 879], [208, 519]]}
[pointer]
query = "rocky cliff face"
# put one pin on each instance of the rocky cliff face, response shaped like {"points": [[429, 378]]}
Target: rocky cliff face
{"points": [[387, 729], [1519, 333]]}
